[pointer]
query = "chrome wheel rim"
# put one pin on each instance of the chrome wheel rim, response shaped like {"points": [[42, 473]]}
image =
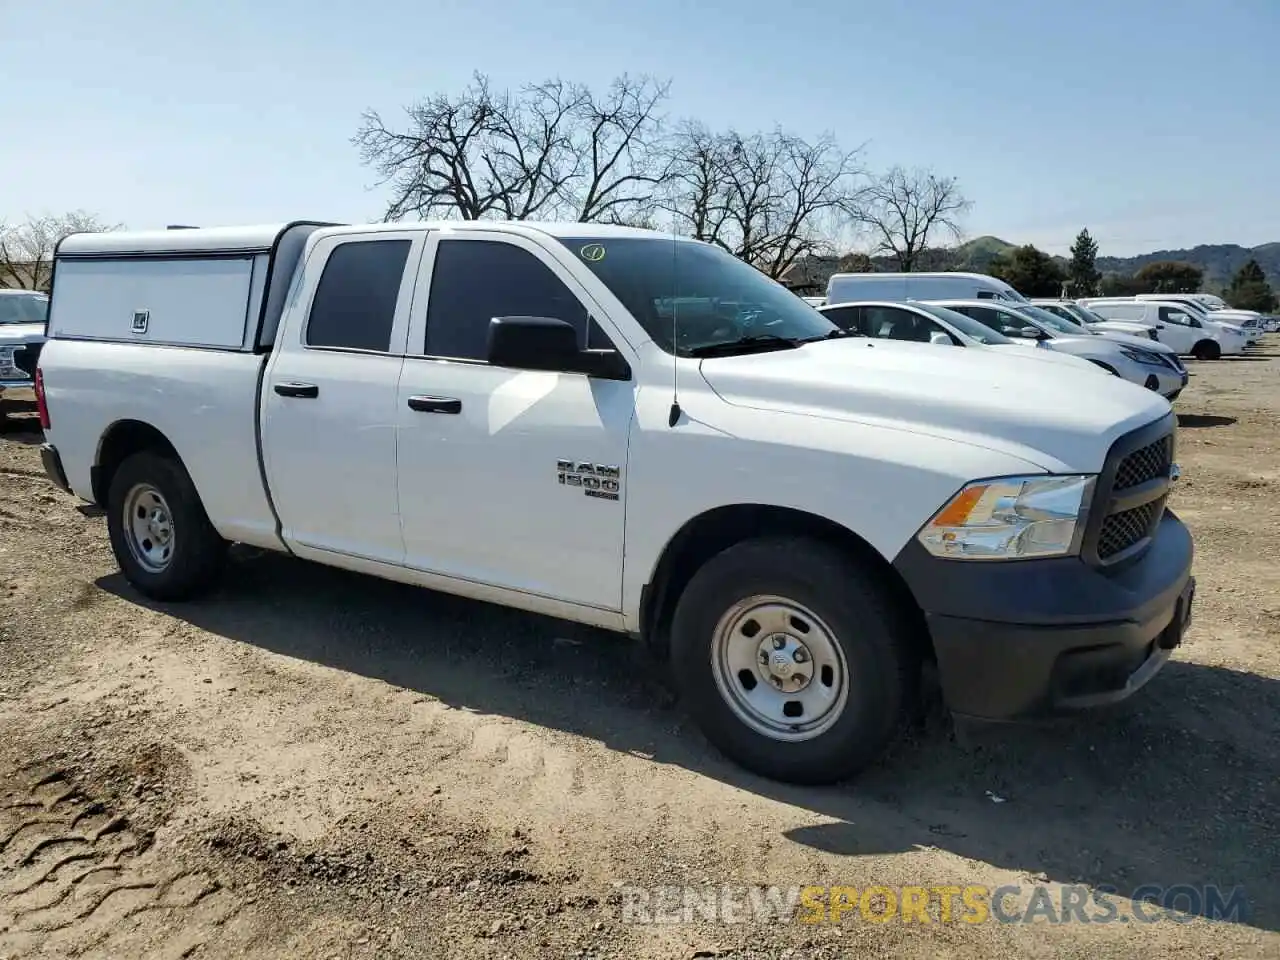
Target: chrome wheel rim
{"points": [[148, 527], [779, 668]]}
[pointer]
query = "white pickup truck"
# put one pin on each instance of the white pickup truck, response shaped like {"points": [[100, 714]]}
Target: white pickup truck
{"points": [[632, 431]]}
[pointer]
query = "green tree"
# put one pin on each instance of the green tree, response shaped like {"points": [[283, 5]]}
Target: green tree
{"points": [[856, 263], [1083, 269], [1030, 271], [1169, 276], [1249, 289], [1119, 285]]}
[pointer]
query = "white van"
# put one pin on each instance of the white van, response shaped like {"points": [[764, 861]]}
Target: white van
{"points": [[847, 287], [1183, 328]]}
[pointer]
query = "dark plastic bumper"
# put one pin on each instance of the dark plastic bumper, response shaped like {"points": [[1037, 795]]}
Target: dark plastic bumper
{"points": [[53, 467], [1026, 639]]}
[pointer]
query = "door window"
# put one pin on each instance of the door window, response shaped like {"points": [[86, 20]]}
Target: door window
{"points": [[354, 306], [1179, 317], [474, 281]]}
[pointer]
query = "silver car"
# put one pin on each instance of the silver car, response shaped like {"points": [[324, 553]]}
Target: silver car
{"points": [[1135, 361]]}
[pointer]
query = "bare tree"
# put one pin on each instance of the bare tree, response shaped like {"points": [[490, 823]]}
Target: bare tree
{"points": [[552, 149], [905, 210], [770, 199], [26, 249]]}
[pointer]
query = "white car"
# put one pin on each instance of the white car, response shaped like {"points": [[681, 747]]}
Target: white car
{"points": [[924, 322], [1075, 313], [1185, 327], [22, 318], [634, 431], [1134, 361]]}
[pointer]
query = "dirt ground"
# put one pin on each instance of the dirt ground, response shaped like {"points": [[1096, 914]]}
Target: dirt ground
{"points": [[314, 764]]}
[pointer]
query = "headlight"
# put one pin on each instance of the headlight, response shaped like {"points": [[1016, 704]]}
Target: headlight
{"points": [[1142, 356], [1010, 518]]}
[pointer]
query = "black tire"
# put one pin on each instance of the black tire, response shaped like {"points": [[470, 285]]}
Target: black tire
{"points": [[198, 552], [866, 625], [1206, 350]]}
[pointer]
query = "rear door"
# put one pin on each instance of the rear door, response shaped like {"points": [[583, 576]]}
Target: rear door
{"points": [[329, 398]]}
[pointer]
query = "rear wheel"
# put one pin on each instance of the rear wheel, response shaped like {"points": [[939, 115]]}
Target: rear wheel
{"points": [[160, 533], [792, 659], [1206, 350]]}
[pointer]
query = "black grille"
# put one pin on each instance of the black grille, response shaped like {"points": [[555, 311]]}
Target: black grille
{"points": [[1131, 493], [1120, 531], [1150, 462], [25, 358]]}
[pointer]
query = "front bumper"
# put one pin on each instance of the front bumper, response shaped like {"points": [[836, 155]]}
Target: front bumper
{"points": [[18, 389], [1030, 638]]}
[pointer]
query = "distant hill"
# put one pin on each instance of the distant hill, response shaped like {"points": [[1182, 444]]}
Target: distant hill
{"points": [[1218, 261], [976, 255]]}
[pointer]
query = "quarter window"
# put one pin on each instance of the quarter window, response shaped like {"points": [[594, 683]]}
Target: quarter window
{"points": [[355, 303]]}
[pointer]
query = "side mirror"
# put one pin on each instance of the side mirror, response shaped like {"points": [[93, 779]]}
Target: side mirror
{"points": [[545, 343], [1031, 333], [941, 339]]}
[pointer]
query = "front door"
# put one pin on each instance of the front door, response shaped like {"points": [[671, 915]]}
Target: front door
{"points": [[510, 478], [329, 398]]}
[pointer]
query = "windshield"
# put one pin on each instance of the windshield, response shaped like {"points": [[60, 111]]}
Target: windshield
{"points": [[1051, 320], [690, 296], [23, 307], [966, 325], [1084, 313]]}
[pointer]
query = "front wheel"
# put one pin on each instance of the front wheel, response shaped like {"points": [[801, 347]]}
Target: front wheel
{"points": [[160, 533], [792, 659], [1206, 350]]}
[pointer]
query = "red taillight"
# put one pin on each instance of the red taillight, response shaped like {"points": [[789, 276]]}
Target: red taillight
{"points": [[41, 406]]}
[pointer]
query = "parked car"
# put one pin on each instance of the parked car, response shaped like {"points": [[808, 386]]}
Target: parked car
{"points": [[1211, 301], [930, 323], [847, 287], [22, 319], [1070, 310], [1134, 362], [637, 432], [1187, 330], [1224, 314]]}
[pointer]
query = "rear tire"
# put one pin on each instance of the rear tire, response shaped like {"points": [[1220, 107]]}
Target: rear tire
{"points": [[160, 534], [764, 608], [1206, 350]]}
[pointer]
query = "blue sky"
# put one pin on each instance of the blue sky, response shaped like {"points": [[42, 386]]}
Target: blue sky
{"points": [[1156, 123]]}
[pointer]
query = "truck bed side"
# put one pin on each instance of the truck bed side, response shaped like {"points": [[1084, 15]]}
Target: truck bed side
{"points": [[204, 403]]}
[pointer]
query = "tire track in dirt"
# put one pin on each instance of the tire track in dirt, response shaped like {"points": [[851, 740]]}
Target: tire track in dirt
{"points": [[73, 874]]}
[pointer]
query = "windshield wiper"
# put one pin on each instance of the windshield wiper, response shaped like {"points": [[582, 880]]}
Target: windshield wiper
{"points": [[836, 334], [752, 344]]}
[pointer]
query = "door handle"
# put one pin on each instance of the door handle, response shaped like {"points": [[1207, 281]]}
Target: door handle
{"points": [[293, 389], [435, 404]]}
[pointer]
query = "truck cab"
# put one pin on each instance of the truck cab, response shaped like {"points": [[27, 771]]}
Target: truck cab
{"points": [[631, 431]]}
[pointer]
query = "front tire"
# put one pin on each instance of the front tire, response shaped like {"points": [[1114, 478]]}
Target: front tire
{"points": [[1207, 350], [793, 659], [160, 534]]}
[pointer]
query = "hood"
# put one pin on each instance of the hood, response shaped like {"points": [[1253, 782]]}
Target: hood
{"points": [[11, 333], [1046, 413], [1045, 355], [1138, 343]]}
